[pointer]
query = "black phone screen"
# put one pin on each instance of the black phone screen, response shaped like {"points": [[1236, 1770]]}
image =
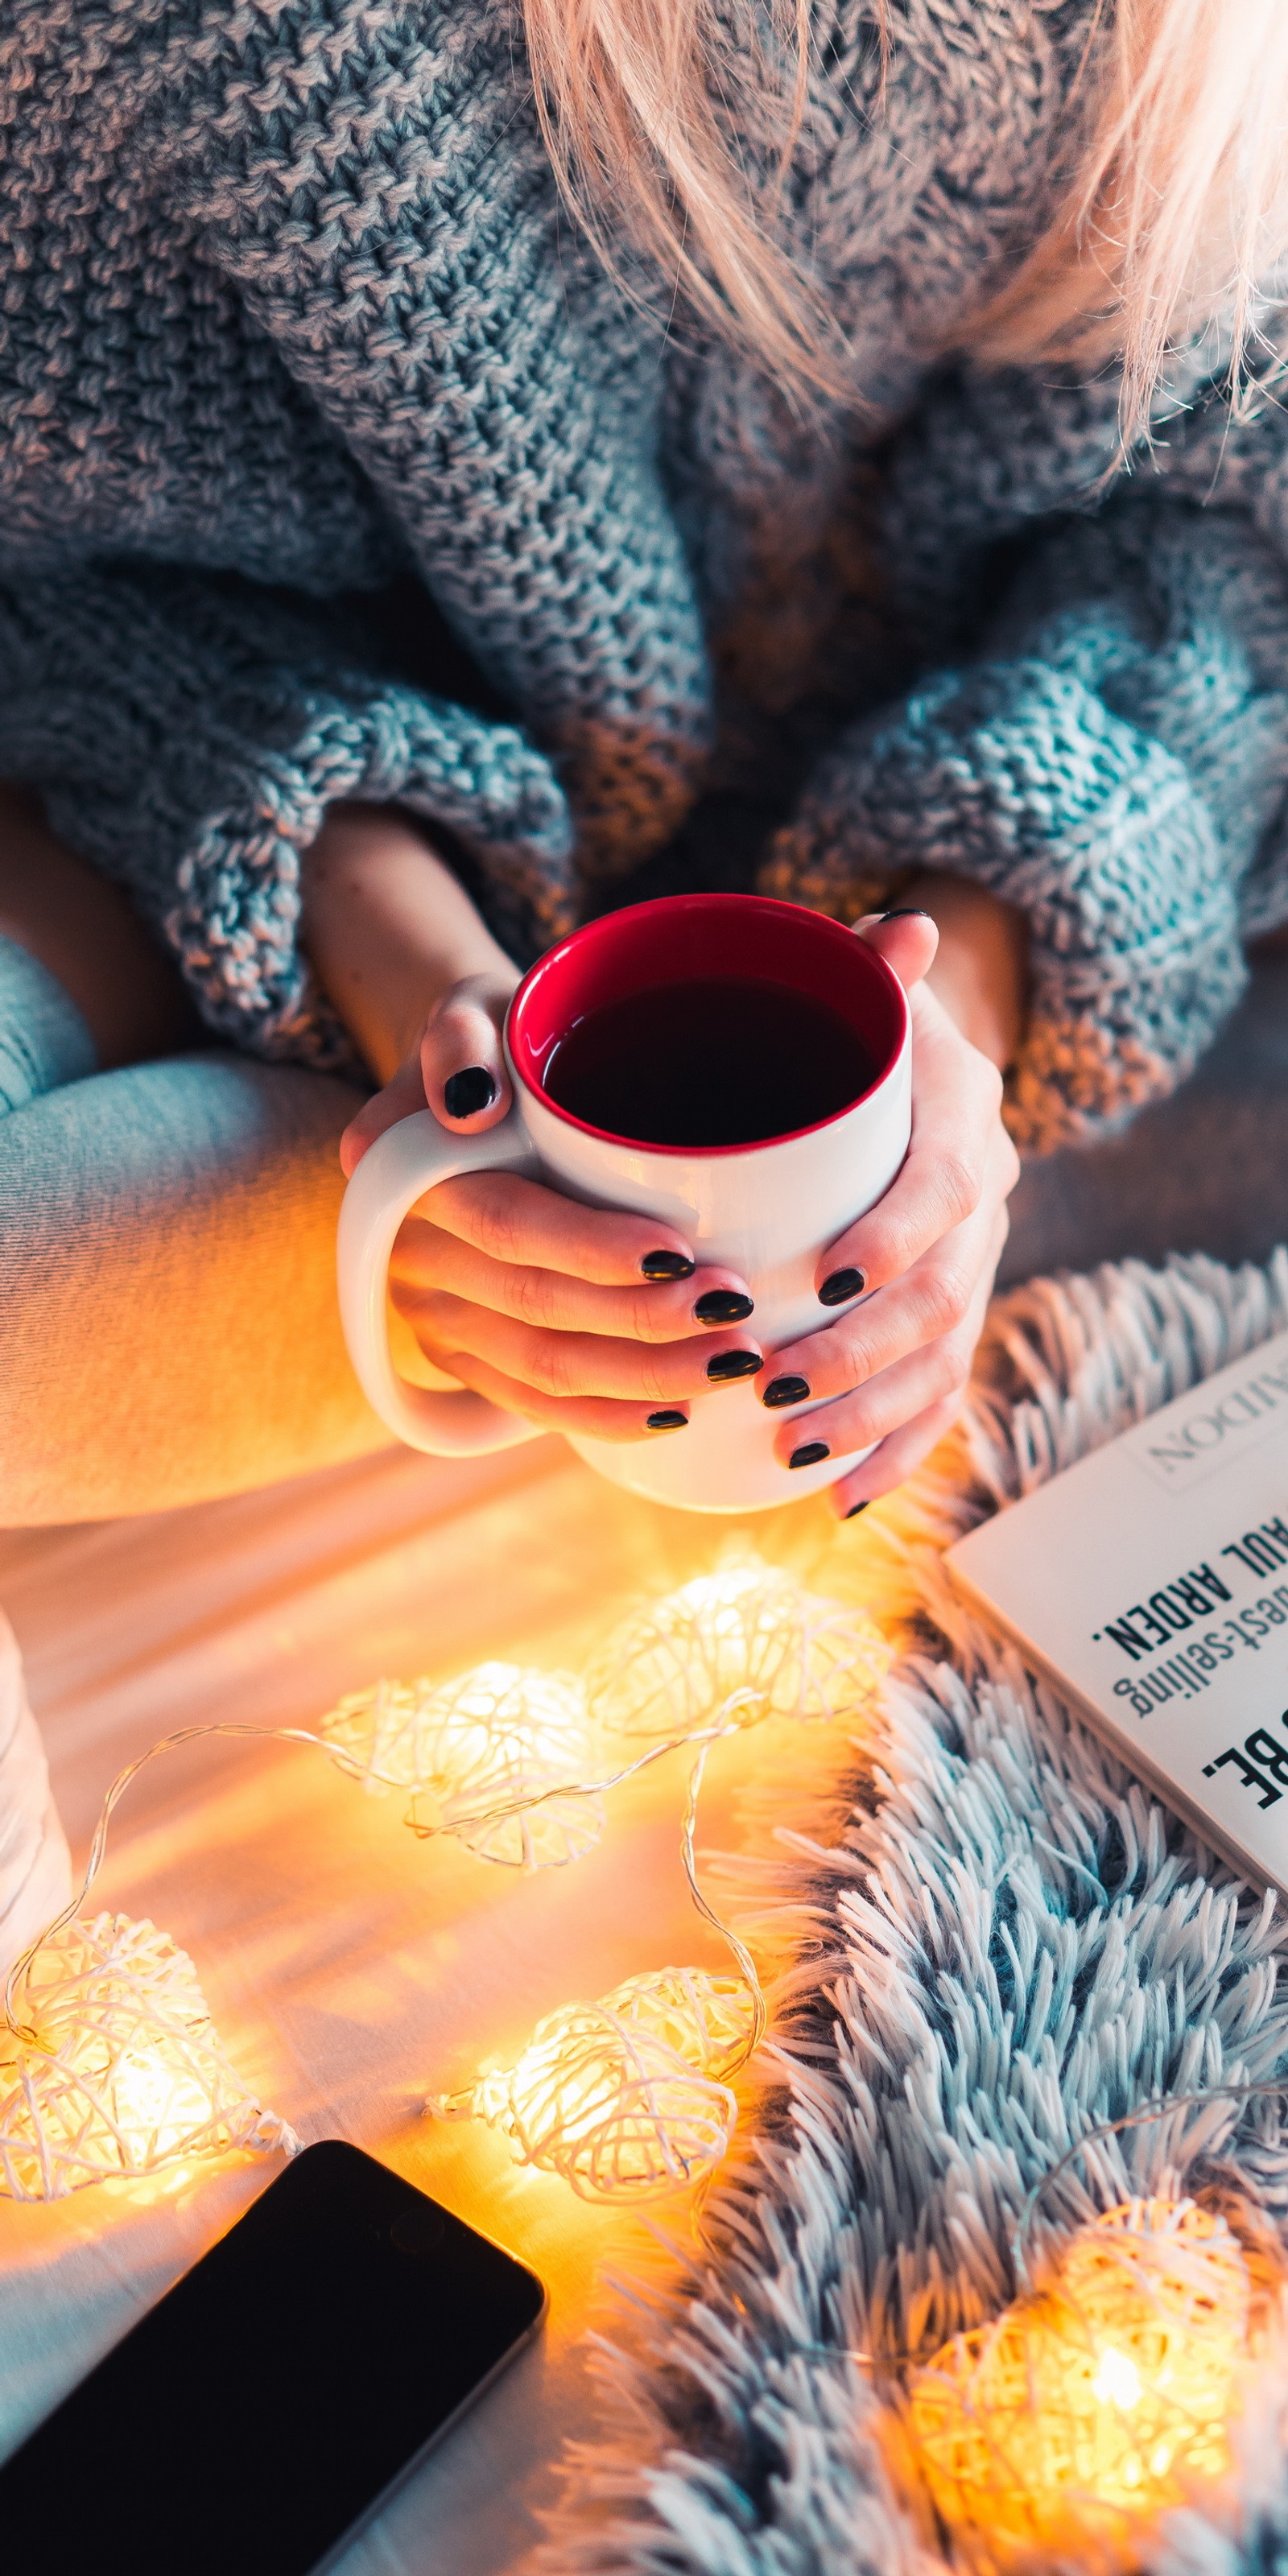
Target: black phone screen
{"points": [[257, 2415]]}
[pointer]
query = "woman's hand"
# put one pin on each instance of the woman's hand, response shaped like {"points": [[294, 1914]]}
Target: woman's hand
{"points": [[922, 1260], [602, 1324], [578, 1321]]}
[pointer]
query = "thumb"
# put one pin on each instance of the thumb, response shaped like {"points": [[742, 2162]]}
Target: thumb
{"points": [[456, 1068], [461, 1061], [908, 940], [400, 1098]]}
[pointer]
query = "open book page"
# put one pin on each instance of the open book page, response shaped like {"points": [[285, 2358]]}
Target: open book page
{"points": [[1151, 1582]]}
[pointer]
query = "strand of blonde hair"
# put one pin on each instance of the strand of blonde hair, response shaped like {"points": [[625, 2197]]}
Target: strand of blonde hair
{"points": [[1175, 216]]}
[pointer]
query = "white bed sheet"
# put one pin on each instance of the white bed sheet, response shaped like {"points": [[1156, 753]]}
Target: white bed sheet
{"points": [[349, 1967]]}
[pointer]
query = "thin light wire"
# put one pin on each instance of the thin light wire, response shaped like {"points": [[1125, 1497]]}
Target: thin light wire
{"points": [[98, 1847], [360, 1770], [704, 1737], [1160, 2108], [475, 1817], [747, 1965]]}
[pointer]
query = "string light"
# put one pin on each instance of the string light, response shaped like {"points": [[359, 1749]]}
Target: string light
{"points": [[730, 1648], [494, 1750], [120, 2070], [628, 2097], [1097, 2400], [116, 2069]]}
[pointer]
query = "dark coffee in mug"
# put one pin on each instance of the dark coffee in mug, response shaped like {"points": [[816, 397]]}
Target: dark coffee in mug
{"points": [[736, 1068], [720, 1060]]}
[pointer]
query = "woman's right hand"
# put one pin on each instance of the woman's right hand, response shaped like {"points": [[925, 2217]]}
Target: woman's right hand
{"points": [[587, 1323]]}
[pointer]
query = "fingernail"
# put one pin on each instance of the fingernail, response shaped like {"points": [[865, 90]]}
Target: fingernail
{"points": [[842, 1285], [468, 1091], [667, 1419], [785, 1390], [908, 912], [667, 1265], [856, 1508], [723, 1306], [731, 1364], [809, 1453]]}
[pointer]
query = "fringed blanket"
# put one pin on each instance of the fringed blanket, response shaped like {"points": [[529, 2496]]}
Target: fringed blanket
{"points": [[1006, 1942]]}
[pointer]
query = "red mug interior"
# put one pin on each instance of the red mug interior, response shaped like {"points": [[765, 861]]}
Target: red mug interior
{"points": [[693, 938]]}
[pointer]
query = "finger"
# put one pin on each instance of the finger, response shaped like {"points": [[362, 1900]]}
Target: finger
{"points": [[399, 1099], [907, 938], [933, 1298], [858, 1421], [895, 1459], [427, 1258], [578, 1364], [519, 1222], [898, 1394], [461, 1058], [956, 1101], [590, 1417]]}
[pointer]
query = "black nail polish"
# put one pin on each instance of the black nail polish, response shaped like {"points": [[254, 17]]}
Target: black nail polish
{"points": [[841, 1286], [809, 1453], [723, 1306], [856, 1508], [468, 1091], [908, 912], [727, 1365], [667, 1418], [785, 1390], [667, 1265]]}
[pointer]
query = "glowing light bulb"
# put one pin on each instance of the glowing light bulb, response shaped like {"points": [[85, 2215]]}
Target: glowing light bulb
{"points": [[1104, 2397], [1117, 2380], [488, 1749], [125, 2074], [154, 2102], [625, 2097], [738, 1645]]}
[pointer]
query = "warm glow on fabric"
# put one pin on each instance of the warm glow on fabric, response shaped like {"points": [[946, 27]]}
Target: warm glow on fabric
{"points": [[114, 2066], [123, 2072], [628, 2097], [490, 1750], [1105, 2397], [740, 1644], [623, 2097]]}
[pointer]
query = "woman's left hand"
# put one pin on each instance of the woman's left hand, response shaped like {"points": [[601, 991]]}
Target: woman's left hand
{"points": [[922, 1261]]}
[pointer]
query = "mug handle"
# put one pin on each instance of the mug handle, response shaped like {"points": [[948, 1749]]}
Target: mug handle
{"points": [[394, 1172]]}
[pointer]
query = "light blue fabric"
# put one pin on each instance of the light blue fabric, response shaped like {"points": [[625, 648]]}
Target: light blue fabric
{"points": [[291, 307], [1115, 762], [43, 1038], [168, 1318], [1001, 1941]]}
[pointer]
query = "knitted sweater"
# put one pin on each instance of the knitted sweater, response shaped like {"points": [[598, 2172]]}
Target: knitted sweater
{"points": [[289, 314]]}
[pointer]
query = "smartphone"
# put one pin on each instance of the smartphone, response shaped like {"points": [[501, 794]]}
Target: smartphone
{"points": [[280, 2392]]}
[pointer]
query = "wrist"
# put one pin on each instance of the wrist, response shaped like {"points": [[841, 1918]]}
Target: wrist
{"points": [[388, 930], [981, 970]]}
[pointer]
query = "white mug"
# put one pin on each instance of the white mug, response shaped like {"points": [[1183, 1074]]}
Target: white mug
{"points": [[767, 1210]]}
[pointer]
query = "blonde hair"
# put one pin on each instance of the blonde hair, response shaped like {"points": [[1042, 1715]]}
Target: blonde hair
{"points": [[662, 118]]}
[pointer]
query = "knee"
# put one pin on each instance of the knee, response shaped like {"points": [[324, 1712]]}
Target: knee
{"points": [[44, 1041], [168, 1321]]}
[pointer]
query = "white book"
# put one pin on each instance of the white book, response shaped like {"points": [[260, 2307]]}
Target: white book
{"points": [[1150, 1581]]}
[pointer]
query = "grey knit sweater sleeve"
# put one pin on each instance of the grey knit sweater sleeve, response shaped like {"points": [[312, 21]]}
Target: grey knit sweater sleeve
{"points": [[187, 733], [1114, 761]]}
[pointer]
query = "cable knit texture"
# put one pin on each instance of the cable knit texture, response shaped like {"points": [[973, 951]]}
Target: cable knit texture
{"points": [[1117, 768], [289, 312]]}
